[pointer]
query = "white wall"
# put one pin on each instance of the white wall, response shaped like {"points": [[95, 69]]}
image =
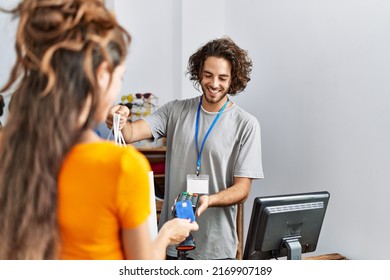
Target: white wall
{"points": [[320, 89], [165, 34], [152, 60], [7, 53], [202, 20], [322, 80], [154, 57]]}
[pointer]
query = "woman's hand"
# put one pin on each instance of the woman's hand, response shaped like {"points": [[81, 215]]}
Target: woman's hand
{"points": [[178, 229]]}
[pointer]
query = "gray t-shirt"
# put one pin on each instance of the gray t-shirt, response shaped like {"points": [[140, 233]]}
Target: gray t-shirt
{"points": [[232, 149]]}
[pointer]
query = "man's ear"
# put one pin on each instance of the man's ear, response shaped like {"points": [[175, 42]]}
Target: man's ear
{"points": [[103, 76]]}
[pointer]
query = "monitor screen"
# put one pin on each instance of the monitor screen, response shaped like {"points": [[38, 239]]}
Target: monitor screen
{"points": [[285, 225]]}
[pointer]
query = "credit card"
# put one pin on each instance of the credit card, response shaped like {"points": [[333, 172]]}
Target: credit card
{"points": [[184, 210]]}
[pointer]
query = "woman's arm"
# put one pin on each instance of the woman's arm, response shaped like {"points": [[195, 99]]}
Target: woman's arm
{"points": [[138, 246]]}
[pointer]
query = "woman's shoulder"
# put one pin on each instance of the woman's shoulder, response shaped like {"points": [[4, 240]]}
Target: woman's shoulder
{"points": [[106, 151]]}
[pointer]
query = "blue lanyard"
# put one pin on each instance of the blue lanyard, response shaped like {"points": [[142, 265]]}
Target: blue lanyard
{"points": [[207, 133]]}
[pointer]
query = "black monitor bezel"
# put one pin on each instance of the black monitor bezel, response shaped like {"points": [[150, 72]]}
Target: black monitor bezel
{"points": [[257, 230]]}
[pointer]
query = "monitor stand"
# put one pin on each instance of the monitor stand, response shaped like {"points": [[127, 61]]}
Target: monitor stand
{"points": [[294, 248]]}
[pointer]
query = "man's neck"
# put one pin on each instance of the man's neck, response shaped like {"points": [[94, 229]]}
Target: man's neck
{"points": [[214, 107]]}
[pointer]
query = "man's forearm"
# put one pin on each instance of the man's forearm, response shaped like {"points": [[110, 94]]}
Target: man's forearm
{"points": [[236, 194], [127, 132], [136, 131], [228, 197]]}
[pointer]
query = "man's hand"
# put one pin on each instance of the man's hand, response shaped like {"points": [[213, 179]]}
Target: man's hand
{"points": [[235, 194], [203, 204], [123, 111]]}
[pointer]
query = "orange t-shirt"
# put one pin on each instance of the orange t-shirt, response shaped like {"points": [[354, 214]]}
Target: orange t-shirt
{"points": [[102, 189]]}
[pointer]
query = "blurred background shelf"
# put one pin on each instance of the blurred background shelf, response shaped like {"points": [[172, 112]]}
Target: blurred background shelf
{"points": [[156, 158]]}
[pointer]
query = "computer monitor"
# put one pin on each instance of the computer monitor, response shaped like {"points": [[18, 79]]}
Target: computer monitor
{"points": [[285, 225]]}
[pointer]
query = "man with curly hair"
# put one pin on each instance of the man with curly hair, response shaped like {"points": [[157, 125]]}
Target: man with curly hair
{"points": [[208, 138]]}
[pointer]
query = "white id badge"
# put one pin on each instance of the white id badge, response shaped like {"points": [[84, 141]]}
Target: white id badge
{"points": [[198, 184]]}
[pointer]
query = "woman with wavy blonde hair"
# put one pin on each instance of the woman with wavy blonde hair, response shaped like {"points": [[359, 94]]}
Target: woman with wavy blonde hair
{"points": [[64, 192]]}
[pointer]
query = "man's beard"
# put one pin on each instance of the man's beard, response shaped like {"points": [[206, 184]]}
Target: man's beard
{"points": [[213, 101]]}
